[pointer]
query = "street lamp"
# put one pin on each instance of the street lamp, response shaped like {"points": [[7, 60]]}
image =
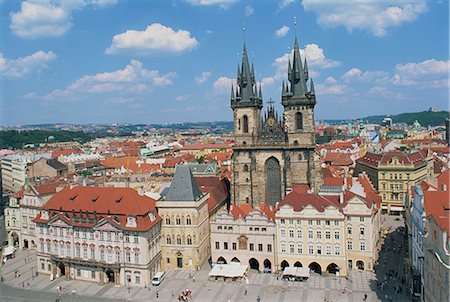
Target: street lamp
{"points": [[32, 274]]}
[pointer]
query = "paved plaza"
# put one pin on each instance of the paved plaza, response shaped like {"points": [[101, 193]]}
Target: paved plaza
{"points": [[26, 287]]}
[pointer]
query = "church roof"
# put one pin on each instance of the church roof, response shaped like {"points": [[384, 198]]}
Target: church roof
{"points": [[183, 186]]}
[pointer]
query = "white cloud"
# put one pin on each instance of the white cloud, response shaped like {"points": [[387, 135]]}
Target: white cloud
{"points": [[430, 73], [223, 84], [202, 78], [156, 37], [285, 3], [316, 57], [133, 78], [37, 18], [17, 68], [222, 3], [357, 74], [249, 10], [282, 31], [374, 15], [182, 97]]}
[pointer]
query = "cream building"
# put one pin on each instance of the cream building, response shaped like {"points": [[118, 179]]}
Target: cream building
{"points": [[245, 235], [99, 234], [13, 221], [185, 223]]}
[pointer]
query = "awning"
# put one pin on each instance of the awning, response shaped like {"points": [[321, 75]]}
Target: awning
{"points": [[394, 208], [296, 271], [231, 270], [8, 251]]}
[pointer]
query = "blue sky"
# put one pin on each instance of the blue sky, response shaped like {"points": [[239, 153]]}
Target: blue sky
{"points": [[87, 61]]}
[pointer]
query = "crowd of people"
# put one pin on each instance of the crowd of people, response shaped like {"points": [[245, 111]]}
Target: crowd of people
{"points": [[185, 296]]}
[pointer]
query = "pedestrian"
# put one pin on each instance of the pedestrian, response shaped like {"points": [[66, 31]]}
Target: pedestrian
{"points": [[157, 295], [258, 299], [365, 297], [193, 278], [245, 292]]}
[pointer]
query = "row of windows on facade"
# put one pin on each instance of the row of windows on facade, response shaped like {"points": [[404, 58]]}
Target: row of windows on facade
{"points": [[178, 220], [102, 235], [318, 221], [393, 186], [298, 122], [319, 233], [337, 249], [230, 228], [242, 246], [66, 251], [394, 196], [179, 240], [394, 176], [93, 275]]}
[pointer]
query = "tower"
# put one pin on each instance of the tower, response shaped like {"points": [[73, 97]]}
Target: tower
{"points": [[246, 102], [298, 103]]}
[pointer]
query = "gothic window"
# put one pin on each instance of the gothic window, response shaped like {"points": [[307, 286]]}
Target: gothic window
{"points": [[273, 181], [168, 240], [167, 220], [188, 220], [245, 122], [245, 168], [239, 124], [189, 240], [178, 239], [299, 121], [178, 220]]}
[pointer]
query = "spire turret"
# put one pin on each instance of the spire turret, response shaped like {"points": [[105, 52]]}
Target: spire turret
{"points": [[311, 89], [305, 69]]}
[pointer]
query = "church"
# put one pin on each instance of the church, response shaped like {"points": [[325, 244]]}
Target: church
{"points": [[273, 153]]}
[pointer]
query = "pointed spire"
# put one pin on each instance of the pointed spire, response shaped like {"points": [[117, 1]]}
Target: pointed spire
{"points": [[305, 69], [260, 93], [311, 89], [232, 92]]}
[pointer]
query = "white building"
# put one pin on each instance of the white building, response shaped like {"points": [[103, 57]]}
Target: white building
{"points": [[418, 217]]}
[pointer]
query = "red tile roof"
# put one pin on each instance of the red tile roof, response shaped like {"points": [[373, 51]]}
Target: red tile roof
{"points": [[338, 159], [58, 153], [217, 189], [416, 159], [241, 211], [171, 162], [130, 163], [202, 146], [300, 200]]}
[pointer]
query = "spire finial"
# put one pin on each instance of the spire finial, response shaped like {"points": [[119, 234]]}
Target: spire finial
{"points": [[243, 31], [295, 25]]}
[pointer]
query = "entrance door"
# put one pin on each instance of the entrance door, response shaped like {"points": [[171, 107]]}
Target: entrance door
{"points": [[180, 262]]}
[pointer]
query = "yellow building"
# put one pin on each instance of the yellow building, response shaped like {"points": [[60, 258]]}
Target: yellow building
{"points": [[392, 173]]}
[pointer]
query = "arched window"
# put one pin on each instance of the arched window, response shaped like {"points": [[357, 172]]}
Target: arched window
{"points": [[177, 220], [188, 220], [168, 240], [245, 122], [167, 220], [299, 121], [245, 168], [178, 239], [189, 240]]}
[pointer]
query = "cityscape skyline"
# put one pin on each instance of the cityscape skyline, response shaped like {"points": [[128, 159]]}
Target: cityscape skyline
{"points": [[160, 66]]}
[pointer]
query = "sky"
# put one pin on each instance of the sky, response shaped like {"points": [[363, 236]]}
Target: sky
{"points": [[143, 61]]}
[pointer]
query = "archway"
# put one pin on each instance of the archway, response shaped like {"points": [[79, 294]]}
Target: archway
{"points": [[267, 266], [315, 267], [235, 260], [284, 264], [15, 238], [110, 275], [221, 260], [298, 264], [33, 245], [350, 264], [254, 264], [62, 269], [360, 265], [25, 244], [332, 268], [273, 181]]}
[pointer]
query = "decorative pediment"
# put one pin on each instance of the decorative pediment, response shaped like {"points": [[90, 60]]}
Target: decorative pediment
{"points": [[105, 225], [56, 220]]}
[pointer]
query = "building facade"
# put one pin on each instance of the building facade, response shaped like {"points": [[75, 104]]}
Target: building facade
{"points": [[418, 217], [392, 173], [245, 235], [13, 221], [272, 152], [99, 234]]}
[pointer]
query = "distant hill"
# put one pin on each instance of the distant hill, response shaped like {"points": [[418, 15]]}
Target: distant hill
{"points": [[18, 139], [425, 118]]}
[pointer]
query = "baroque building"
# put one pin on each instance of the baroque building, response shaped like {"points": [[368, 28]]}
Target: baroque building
{"points": [[272, 152]]}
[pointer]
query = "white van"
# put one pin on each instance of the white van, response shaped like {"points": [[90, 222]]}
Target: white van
{"points": [[158, 278]]}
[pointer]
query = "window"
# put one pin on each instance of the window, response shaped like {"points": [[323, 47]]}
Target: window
{"points": [[319, 249], [298, 121], [217, 245], [361, 231], [77, 234], [319, 234], [136, 238], [177, 220], [168, 220], [127, 237], [260, 247], [102, 255], [168, 260], [310, 222], [336, 222], [349, 218], [128, 256], [327, 235], [283, 247], [68, 251], [252, 247], [311, 249], [92, 274], [327, 222], [78, 272], [234, 246], [291, 233], [283, 233], [349, 246], [189, 240], [91, 234], [337, 250], [269, 248], [361, 219], [92, 252], [245, 122], [168, 240], [283, 221], [83, 233], [310, 234], [109, 256], [328, 249], [349, 230], [43, 266], [108, 236], [136, 257], [188, 220], [291, 248], [178, 239], [219, 227], [85, 253], [245, 168], [299, 249], [336, 235], [291, 221], [138, 279], [299, 234], [263, 229], [317, 222], [362, 246], [117, 256]]}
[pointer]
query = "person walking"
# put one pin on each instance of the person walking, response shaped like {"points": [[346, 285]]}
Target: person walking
{"points": [[157, 295]]}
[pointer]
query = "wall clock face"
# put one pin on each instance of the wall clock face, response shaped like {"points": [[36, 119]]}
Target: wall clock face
{"points": [[271, 122]]}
